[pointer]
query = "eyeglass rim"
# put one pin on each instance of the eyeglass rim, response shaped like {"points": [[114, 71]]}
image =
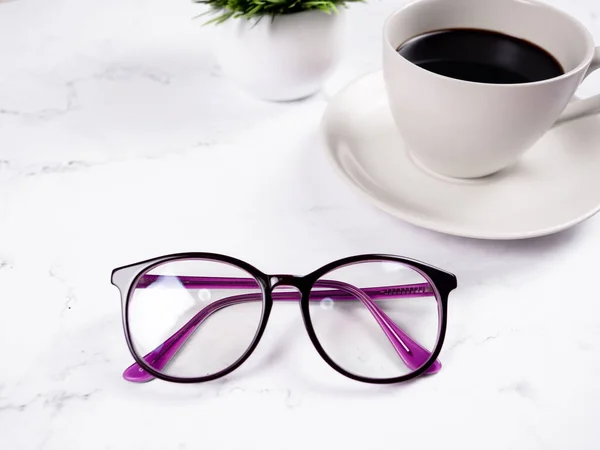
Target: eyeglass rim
{"points": [[143, 267], [424, 270], [126, 277]]}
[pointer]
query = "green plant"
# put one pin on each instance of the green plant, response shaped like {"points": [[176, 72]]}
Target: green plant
{"points": [[232, 9]]}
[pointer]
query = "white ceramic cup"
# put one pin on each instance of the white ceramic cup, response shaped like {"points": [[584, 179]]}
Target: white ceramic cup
{"points": [[466, 129]]}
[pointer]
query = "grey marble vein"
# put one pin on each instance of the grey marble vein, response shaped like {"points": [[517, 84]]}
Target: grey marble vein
{"points": [[70, 298], [123, 72], [46, 114], [58, 400]]}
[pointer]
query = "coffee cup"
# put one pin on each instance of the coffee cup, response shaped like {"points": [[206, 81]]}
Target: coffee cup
{"points": [[467, 128]]}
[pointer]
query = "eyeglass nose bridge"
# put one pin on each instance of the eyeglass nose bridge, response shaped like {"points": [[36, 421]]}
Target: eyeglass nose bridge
{"points": [[286, 280]]}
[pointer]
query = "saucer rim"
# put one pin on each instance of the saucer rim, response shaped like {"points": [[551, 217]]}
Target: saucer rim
{"points": [[464, 232]]}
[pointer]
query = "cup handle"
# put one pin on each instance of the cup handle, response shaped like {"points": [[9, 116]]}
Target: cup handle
{"points": [[587, 106]]}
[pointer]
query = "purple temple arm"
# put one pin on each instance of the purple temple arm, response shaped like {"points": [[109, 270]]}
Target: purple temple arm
{"points": [[375, 293], [412, 353]]}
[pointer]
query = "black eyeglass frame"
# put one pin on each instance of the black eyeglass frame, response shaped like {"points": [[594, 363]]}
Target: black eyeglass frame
{"points": [[126, 277]]}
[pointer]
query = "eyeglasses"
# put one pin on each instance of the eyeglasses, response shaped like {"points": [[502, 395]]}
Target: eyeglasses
{"points": [[195, 317]]}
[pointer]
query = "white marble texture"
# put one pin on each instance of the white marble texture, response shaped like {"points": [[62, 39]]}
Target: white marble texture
{"points": [[120, 140]]}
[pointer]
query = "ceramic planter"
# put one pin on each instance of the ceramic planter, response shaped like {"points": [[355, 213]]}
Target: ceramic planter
{"points": [[287, 57]]}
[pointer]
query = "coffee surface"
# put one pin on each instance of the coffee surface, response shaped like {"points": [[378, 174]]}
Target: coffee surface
{"points": [[481, 56]]}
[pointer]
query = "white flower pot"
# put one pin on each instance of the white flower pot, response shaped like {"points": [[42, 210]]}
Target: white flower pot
{"points": [[283, 58]]}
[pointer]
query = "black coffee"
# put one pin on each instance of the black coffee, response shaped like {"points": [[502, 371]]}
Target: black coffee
{"points": [[481, 56]]}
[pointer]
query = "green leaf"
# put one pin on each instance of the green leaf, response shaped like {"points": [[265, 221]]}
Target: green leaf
{"points": [[238, 9], [253, 11]]}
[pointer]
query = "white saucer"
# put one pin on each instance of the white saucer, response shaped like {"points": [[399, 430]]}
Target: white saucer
{"points": [[554, 186]]}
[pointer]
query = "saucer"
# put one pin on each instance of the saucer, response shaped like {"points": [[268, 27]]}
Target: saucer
{"points": [[554, 186]]}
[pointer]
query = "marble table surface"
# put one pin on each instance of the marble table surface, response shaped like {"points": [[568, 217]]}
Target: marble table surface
{"points": [[121, 140]]}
